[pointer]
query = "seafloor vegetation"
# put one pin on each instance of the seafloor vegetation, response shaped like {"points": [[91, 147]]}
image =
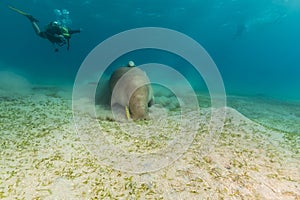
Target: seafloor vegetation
{"points": [[42, 157]]}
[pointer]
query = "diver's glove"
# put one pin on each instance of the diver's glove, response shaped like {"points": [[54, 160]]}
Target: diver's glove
{"points": [[31, 18]]}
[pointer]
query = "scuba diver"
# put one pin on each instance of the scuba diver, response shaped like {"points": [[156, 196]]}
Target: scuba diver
{"points": [[55, 32]]}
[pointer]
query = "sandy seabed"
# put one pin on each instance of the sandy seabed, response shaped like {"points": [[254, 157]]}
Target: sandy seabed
{"points": [[42, 157]]}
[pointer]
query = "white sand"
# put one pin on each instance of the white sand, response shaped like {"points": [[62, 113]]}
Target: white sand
{"points": [[42, 157]]}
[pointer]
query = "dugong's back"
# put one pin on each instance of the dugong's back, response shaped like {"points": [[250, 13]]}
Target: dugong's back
{"points": [[116, 76]]}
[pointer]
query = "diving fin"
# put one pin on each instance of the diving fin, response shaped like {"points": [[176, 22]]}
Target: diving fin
{"points": [[29, 16]]}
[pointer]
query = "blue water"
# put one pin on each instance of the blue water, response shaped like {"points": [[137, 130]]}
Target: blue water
{"points": [[255, 44]]}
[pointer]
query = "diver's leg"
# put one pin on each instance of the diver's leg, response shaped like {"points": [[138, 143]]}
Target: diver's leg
{"points": [[31, 18], [36, 28]]}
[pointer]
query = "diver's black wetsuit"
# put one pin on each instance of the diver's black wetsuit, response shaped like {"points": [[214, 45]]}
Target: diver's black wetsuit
{"points": [[54, 32], [57, 34]]}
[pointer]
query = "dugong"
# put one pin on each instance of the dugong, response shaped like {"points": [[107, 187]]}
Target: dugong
{"points": [[130, 87]]}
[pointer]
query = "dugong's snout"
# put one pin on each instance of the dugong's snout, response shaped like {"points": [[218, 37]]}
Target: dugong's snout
{"points": [[138, 104], [139, 113]]}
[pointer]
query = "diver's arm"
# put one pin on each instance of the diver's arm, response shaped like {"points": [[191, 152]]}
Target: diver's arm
{"points": [[74, 31]]}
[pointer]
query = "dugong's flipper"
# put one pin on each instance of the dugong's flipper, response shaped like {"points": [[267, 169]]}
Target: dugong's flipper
{"points": [[127, 112]]}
